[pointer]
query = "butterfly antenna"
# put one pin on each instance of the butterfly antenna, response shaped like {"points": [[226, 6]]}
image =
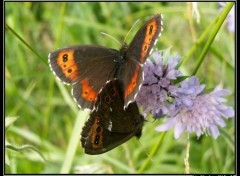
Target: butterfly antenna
{"points": [[103, 33], [130, 30]]}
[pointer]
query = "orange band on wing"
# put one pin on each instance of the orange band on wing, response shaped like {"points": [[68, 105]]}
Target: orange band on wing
{"points": [[65, 61], [133, 82], [150, 32], [87, 92], [96, 134]]}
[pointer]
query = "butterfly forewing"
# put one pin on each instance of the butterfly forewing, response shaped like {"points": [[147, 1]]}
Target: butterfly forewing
{"points": [[144, 40]]}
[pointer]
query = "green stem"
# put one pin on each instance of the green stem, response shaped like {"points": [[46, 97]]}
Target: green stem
{"points": [[200, 40], [211, 38], [25, 43], [155, 149], [73, 143]]}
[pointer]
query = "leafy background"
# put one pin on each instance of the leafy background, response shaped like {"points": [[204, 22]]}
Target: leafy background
{"points": [[40, 114]]}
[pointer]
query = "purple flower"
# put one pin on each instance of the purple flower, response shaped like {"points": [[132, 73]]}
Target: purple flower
{"points": [[157, 85], [197, 112], [185, 104]]}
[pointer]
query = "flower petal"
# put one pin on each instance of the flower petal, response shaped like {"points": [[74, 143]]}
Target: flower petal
{"points": [[179, 128], [169, 124]]}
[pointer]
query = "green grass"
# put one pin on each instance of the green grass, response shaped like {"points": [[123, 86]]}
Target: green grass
{"points": [[45, 136]]}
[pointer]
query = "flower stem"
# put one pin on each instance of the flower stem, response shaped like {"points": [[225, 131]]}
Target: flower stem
{"points": [[219, 23], [155, 149]]}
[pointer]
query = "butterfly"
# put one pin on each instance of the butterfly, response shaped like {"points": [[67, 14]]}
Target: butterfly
{"points": [[109, 124], [88, 67]]}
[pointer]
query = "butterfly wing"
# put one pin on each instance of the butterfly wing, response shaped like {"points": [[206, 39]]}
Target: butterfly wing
{"points": [[137, 53], [109, 124], [80, 66]]}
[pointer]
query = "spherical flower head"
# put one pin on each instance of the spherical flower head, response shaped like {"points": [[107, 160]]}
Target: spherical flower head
{"points": [[157, 85], [197, 112]]}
